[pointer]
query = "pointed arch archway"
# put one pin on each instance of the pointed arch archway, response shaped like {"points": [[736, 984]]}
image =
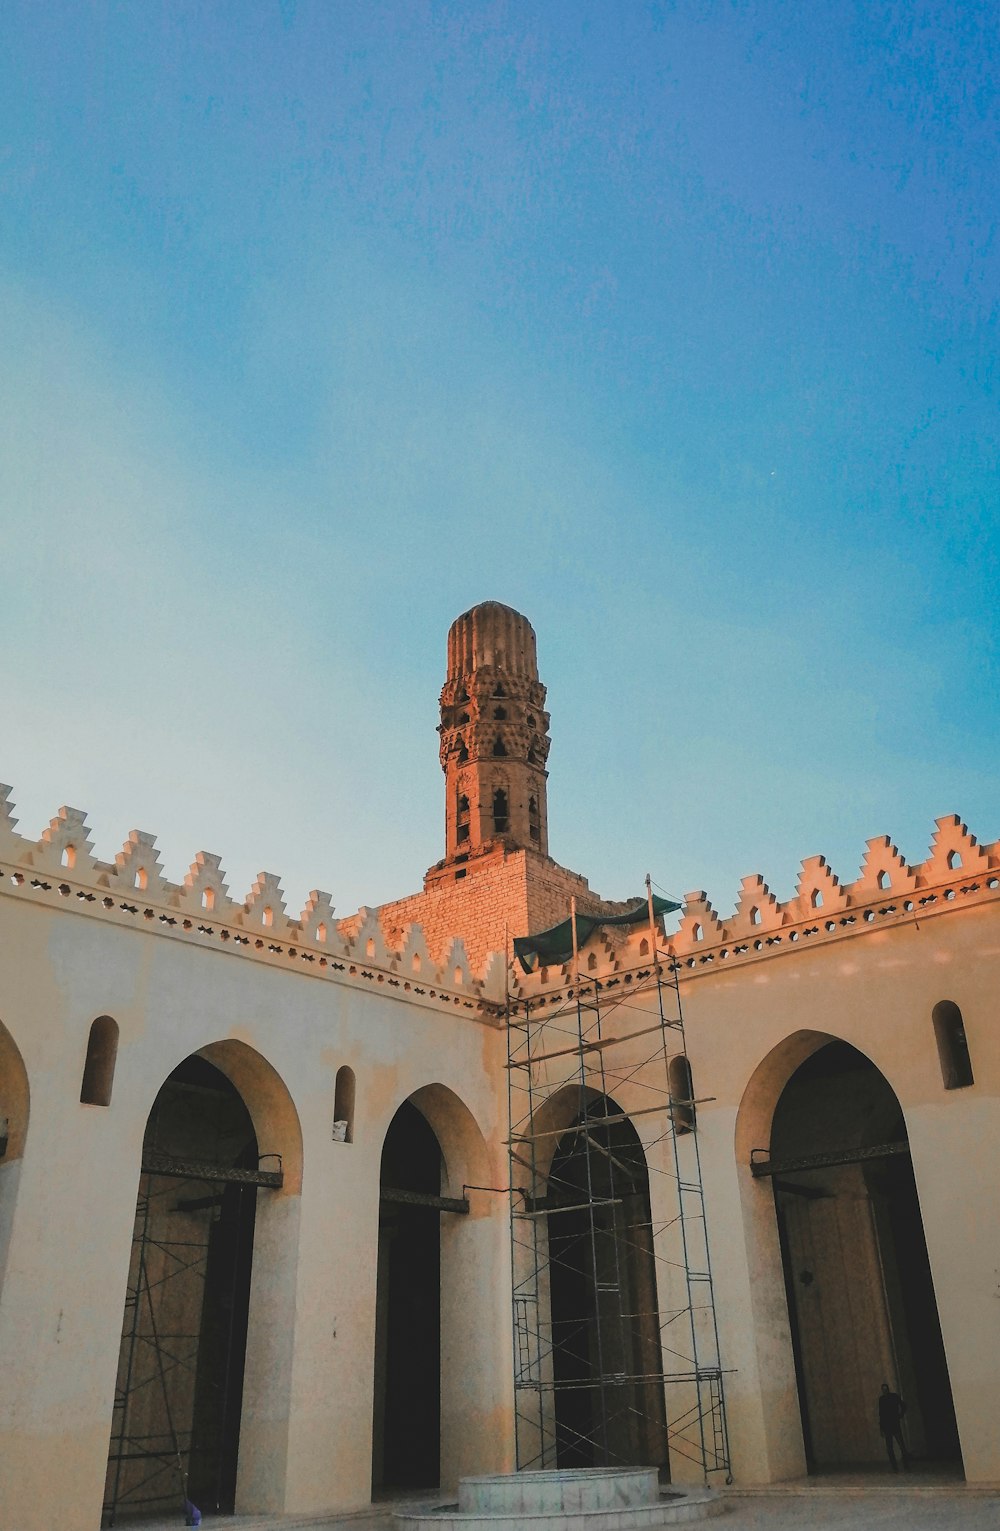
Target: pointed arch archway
{"points": [[203, 1381], [833, 1219], [14, 1108], [435, 1335], [590, 1220]]}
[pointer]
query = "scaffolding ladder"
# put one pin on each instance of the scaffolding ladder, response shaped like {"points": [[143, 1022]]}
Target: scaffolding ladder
{"points": [[615, 1339]]}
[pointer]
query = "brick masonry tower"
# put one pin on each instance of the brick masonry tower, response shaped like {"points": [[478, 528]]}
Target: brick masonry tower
{"points": [[496, 879], [494, 736]]}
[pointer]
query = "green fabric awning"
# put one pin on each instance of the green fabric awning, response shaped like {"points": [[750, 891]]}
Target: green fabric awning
{"points": [[551, 948]]}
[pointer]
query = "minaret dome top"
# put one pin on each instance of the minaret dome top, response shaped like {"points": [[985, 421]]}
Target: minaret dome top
{"points": [[495, 636]]}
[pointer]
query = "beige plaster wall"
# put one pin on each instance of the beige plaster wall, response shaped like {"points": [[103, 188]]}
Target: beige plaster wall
{"points": [[746, 1033], [307, 1422]]}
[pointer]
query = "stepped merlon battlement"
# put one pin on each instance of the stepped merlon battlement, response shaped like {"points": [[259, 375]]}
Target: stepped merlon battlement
{"points": [[433, 962], [957, 870], [61, 865]]}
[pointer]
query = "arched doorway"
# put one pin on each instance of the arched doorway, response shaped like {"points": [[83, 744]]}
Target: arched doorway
{"points": [[606, 1354], [860, 1295], [407, 1417], [179, 1389], [13, 1132]]}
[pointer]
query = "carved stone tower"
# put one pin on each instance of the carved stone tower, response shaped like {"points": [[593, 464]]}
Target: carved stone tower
{"points": [[494, 736]]}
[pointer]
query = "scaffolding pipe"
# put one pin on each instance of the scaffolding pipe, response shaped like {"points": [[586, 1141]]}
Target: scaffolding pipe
{"points": [[612, 1355]]}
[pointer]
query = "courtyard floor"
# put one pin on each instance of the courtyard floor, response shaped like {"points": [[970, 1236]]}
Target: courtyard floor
{"points": [[841, 1502]]}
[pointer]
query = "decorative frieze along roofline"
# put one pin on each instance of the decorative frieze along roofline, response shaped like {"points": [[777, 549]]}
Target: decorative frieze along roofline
{"points": [[957, 872], [61, 870]]}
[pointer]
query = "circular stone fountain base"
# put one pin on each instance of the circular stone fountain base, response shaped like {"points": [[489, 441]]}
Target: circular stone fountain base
{"points": [[591, 1498]]}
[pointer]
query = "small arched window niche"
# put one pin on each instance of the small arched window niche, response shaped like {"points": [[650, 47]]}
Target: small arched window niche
{"points": [[343, 1106], [681, 1093], [99, 1068], [501, 812], [952, 1046]]}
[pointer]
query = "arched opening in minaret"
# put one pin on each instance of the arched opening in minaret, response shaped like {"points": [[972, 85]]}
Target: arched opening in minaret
{"points": [[407, 1424], [499, 748], [606, 1354], [501, 812], [858, 1283]]}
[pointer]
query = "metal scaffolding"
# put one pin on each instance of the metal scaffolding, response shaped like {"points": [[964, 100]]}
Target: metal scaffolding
{"points": [[175, 1405], [616, 1346]]}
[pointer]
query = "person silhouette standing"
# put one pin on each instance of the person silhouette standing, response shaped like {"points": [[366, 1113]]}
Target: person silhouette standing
{"points": [[891, 1409]]}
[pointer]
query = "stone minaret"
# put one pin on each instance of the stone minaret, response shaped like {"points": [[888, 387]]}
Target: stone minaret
{"points": [[494, 736]]}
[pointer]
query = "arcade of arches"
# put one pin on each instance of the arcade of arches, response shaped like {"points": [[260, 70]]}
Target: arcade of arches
{"points": [[860, 1296]]}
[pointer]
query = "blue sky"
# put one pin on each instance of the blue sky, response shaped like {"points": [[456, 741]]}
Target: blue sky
{"points": [[673, 326]]}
